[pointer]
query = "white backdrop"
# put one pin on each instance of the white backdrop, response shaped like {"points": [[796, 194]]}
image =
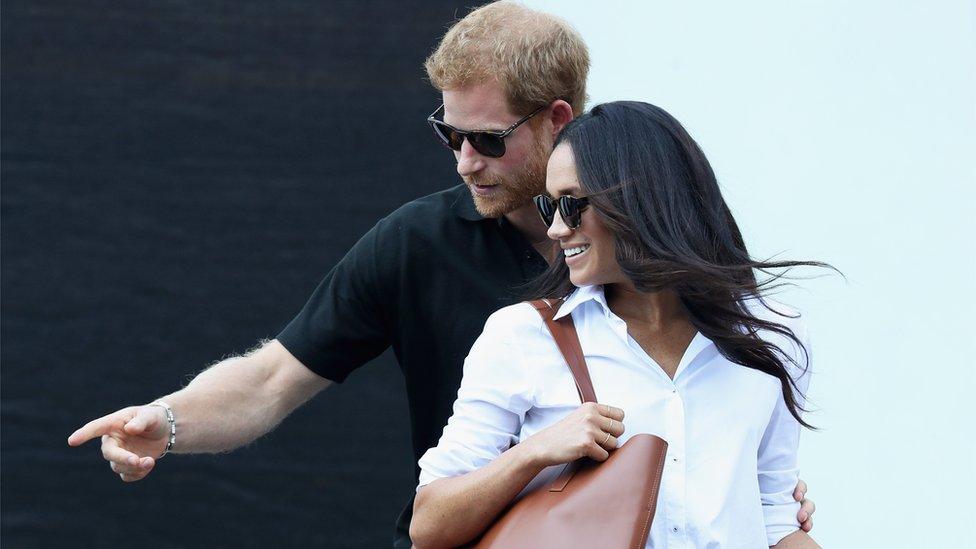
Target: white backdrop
{"points": [[844, 132]]}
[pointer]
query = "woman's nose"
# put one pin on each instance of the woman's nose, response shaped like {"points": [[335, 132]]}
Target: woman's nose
{"points": [[558, 229]]}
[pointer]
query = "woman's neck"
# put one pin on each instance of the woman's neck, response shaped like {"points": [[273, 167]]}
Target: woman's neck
{"points": [[654, 309]]}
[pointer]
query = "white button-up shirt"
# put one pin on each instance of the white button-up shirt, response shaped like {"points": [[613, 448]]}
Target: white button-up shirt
{"points": [[731, 465]]}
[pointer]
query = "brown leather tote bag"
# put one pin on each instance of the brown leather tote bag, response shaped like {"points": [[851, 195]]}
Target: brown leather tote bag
{"points": [[590, 504]]}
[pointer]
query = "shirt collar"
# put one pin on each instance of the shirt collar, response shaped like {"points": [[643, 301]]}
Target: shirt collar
{"points": [[464, 205], [580, 296], [584, 294]]}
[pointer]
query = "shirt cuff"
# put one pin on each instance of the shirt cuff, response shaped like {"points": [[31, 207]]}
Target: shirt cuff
{"points": [[780, 521], [425, 479]]}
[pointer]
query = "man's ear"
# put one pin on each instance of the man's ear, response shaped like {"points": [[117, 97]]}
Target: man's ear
{"points": [[560, 114]]}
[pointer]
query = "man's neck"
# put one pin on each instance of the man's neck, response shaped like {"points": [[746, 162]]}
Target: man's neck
{"points": [[526, 219]]}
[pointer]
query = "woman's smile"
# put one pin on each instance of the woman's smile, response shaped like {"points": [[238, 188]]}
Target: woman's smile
{"points": [[573, 252]]}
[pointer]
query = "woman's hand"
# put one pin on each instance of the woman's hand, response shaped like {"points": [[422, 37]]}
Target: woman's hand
{"points": [[590, 431], [451, 511]]}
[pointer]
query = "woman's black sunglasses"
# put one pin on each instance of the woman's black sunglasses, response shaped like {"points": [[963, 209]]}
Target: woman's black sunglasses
{"points": [[570, 209], [487, 143]]}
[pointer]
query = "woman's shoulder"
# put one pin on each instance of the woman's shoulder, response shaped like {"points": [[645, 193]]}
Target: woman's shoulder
{"points": [[516, 319], [510, 335]]}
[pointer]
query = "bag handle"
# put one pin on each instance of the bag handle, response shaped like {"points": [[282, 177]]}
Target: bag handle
{"points": [[564, 332]]}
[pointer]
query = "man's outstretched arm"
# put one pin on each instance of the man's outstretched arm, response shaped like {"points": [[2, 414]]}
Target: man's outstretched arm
{"points": [[226, 406]]}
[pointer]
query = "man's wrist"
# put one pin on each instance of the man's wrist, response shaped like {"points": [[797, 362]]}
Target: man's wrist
{"points": [[170, 427]]}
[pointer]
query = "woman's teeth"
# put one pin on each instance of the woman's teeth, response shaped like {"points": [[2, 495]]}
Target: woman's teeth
{"points": [[570, 252]]}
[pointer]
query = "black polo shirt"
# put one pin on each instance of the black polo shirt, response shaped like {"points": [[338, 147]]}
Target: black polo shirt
{"points": [[423, 280]]}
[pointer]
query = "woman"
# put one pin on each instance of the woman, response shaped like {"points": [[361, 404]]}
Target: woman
{"points": [[677, 340]]}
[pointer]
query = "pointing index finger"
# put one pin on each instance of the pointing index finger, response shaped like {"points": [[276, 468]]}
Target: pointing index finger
{"points": [[95, 428]]}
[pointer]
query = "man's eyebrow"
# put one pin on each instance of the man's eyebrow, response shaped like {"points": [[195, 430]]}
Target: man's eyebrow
{"points": [[491, 127], [482, 127]]}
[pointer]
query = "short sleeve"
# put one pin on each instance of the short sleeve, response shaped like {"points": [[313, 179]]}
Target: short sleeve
{"points": [[345, 324], [494, 396], [778, 466]]}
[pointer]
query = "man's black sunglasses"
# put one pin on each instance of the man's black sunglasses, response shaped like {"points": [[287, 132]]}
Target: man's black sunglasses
{"points": [[570, 209], [487, 143]]}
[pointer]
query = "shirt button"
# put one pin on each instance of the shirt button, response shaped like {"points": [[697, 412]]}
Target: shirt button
{"points": [[674, 460], [675, 529]]}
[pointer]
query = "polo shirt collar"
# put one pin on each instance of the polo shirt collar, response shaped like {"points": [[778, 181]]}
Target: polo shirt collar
{"points": [[463, 205], [580, 296]]}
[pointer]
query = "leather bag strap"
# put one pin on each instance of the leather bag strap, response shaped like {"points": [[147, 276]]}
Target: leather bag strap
{"points": [[564, 332]]}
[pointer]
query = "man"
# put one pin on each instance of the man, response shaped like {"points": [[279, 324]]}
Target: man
{"points": [[423, 280]]}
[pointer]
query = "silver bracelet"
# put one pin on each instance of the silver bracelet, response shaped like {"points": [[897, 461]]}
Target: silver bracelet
{"points": [[172, 425]]}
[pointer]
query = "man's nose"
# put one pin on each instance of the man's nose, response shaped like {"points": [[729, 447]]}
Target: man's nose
{"points": [[469, 161], [558, 229]]}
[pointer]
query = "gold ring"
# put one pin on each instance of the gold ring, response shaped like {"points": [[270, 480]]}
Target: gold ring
{"points": [[606, 439], [610, 428]]}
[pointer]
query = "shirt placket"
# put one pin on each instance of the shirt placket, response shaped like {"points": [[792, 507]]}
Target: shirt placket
{"points": [[671, 504], [675, 472]]}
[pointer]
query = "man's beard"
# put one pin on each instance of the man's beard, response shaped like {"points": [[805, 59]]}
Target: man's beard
{"points": [[514, 191]]}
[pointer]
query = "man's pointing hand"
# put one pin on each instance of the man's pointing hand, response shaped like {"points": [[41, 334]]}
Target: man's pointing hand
{"points": [[132, 439]]}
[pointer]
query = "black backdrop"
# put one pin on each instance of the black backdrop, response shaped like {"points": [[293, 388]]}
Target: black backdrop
{"points": [[176, 178]]}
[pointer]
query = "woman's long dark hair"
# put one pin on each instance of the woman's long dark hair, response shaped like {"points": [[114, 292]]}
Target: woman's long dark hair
{"points": [[652, 187]]}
